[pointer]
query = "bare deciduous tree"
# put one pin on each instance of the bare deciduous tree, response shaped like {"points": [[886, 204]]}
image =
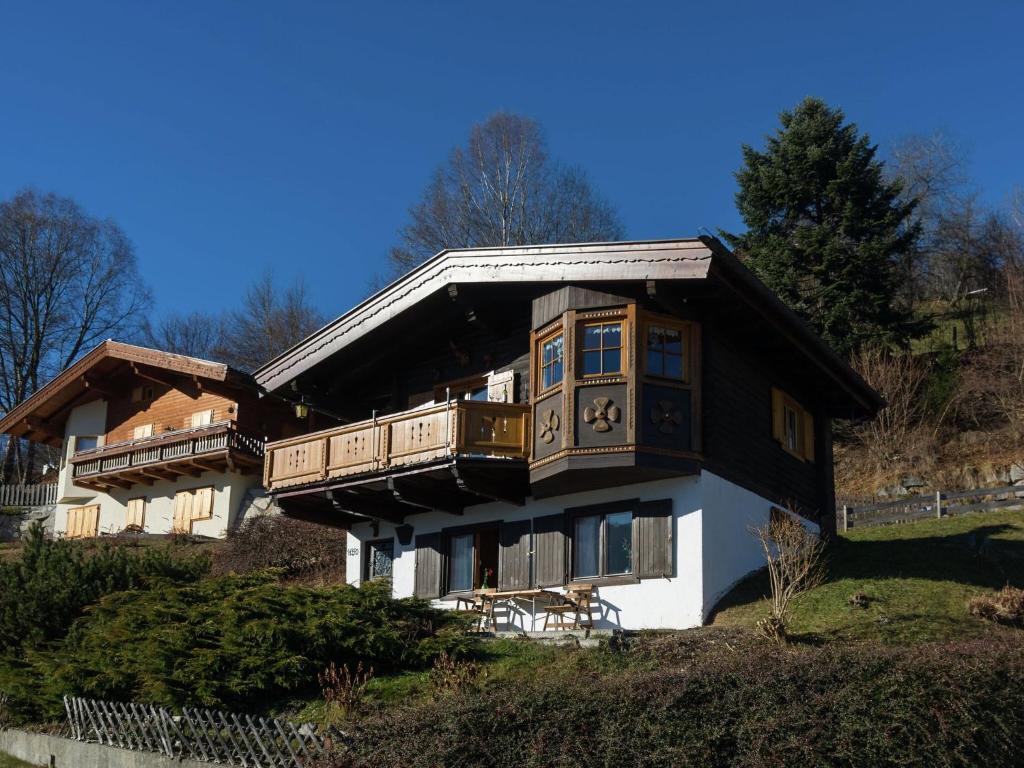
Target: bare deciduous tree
{"points": [[270, 321], [501, 188], [195, 334], [67, 281], [796, 564]]}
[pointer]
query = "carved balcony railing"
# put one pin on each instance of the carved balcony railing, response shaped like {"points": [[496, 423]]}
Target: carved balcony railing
{"points": [[214, 447], [376, 446]]}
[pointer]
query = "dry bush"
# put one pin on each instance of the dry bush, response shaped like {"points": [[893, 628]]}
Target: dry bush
{"points": [[449, 676], [344, 688], [795, 558], [302, 549], [991, 391], [900, 378], [1004, 607]]}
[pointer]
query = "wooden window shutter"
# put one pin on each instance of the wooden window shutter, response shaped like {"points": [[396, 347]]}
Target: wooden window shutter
{"points": [[74, 526], [141, 431], [202, 504], [429, 561], [778, 415], [652, 540], [202, 418], [501, 387], [549, 545], [136, 512], [514, 555], [808, 430], [92, 521], [182, 520]]}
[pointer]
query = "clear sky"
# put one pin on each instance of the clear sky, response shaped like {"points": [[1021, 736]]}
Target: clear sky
{"points": [[225, 137]]}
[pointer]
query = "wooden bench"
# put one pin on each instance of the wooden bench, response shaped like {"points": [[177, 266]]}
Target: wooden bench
{"points": [[576, 601]]}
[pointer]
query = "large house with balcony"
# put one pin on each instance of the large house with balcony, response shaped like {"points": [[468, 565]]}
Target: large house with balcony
{"points": [[533, 419], [150, 441]]}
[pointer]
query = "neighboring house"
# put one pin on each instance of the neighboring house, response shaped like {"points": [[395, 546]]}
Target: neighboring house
{"points": [[149, 441], [614, 414]]}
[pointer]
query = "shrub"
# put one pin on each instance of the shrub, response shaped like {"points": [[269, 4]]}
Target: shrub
{"points": [[1004, 607], [245, 642], [343, 688], [299, 548], [43, 592], [942, 705]]}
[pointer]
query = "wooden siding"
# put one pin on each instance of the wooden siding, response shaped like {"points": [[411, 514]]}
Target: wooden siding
{"points": [[739, 443], [170, 409]]}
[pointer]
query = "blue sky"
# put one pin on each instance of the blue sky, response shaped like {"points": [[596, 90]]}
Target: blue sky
{"points": [[226, 137]]}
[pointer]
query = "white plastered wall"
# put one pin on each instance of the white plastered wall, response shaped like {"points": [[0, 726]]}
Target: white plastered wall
{"points": [[229, 489], [713, 549]]}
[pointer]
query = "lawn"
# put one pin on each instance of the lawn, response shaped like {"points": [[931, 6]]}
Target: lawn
{"points": [[917, 578], [6, 761]]}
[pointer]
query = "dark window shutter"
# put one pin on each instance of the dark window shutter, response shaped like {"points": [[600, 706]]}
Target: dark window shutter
{"points": [[514, 555], [549, 544], [428, 566], [652, 539]]}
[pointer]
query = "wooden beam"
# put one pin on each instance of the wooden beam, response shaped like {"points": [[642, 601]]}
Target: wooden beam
{"points": [[380, 507], [478, 485], [425, 496], [42, 427], [92, 385]]}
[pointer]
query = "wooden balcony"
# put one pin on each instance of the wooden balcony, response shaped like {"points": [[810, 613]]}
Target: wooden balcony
{"points": [[444, 457], [187, 452]]}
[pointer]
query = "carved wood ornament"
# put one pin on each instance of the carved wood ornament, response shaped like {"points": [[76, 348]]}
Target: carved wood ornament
{"points": [[601, 414], [666, 416], [548, 426]]}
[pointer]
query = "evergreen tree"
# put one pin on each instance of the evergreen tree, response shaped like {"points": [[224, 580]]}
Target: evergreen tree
{"points": [[825, 228]]}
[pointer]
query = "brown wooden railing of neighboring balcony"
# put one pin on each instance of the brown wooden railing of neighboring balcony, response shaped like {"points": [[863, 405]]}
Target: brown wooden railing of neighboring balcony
{"points": [[179, 446], [458, 428]]}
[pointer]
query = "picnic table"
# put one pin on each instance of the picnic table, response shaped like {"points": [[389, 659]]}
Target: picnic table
{"points": [[484, 601]]}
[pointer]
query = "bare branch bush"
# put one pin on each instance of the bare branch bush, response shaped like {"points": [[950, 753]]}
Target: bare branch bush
{"points": [[451, 676], [796, 564], [900, 378], [304, 550], [345, 688]]}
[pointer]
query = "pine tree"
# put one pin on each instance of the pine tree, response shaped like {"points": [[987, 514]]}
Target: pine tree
{"points": [[825, 228]]}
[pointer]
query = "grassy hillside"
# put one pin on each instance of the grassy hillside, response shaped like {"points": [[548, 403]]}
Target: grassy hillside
{"points": [[916, 577]]}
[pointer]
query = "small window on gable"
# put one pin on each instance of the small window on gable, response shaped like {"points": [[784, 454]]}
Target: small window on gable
{"points": [[552, 361], [142, 394], [202, 418], [666, 352], [792, 426], [142, 431], [602, 349]]}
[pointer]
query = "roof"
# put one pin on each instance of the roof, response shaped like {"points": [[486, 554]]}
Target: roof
{"points": [[73, 385], [679, 259]]}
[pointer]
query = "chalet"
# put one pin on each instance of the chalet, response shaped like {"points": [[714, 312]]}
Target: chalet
{"points": [[149, 441], [603, 421]]}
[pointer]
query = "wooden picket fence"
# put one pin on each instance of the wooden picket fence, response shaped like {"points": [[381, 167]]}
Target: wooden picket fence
{"points": [[199, 734], [937, 505], [40, 495]]}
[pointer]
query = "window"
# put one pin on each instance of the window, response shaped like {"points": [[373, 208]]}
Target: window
{"points": [[136, 516], [189, 506], [380, 557], [85, 442], [602, 544], [142, 394], [472, 559], [202, 418], [665, 352], [552, 361], [792, 426], [142, 431], [602, 349], [472, 388], [83, 522]]}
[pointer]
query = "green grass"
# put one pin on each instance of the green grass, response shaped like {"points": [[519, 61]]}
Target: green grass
{"points": [[6, 761], [918, 578]]}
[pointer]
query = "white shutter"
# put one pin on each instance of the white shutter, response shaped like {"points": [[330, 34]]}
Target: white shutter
{"points": [[202, 418], [182, 521], [136, 512], [142, 431], [202, 504]]}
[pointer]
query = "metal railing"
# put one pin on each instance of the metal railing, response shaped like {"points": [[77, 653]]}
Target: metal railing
{"points": [[39, 495], [169, 446], [458, 427], [199, 734]]}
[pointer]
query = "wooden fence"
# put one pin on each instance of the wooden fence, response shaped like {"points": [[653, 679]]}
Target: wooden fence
{"points": [[939, 504], [198, 734], [40, 495]]}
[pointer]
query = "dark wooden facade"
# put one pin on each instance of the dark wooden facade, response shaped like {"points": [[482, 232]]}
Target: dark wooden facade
{"points": [[587, 430]]}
